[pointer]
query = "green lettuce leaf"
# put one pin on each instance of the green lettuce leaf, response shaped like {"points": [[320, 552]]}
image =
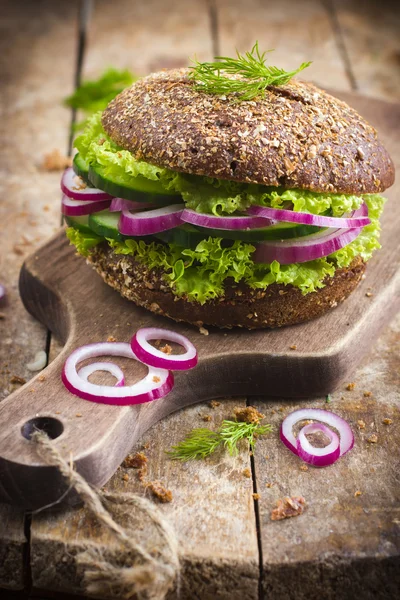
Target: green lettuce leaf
{"points": [[83, 242], [200, 274], [94, 95], [205, 194]]}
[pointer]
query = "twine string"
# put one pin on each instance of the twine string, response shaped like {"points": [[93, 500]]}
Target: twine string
{"points": [[131, 570]]}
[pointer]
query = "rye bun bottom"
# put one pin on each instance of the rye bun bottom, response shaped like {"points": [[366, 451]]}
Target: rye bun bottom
{"points": [[241, 306]]}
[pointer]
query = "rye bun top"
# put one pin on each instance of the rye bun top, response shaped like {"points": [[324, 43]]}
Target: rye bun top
{"points": [[298, 136]]}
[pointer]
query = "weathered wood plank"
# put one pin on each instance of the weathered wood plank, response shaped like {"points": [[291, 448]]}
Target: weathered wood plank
{"points": [[32, 123], [370, 33], [345, 545], [299, 31], [212, 509], [37, 52], [211, 512], [147, 36], [12, 545]]}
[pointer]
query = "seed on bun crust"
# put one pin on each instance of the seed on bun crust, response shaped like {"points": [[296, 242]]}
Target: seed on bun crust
{"points": [[297, 136]]}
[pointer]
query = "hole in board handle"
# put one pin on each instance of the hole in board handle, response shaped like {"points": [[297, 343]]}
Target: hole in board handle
{"points": [[53, 427]]}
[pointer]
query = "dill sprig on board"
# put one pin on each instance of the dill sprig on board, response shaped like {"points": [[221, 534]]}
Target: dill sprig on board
{"points": [[254, 75], [202, 442]]}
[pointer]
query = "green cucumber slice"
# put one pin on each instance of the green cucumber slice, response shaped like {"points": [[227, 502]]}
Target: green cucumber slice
{"points": [[80, 223], [105, 224], [280, 231], [190, 235], [187, 236], [131, 188], [81, 167]]}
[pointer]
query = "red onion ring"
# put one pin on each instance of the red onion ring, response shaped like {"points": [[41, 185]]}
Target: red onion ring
{"points": [[119, 204], [150, 221], [291, 216], [78, 208], [325, 416], [308, 247], [110, 367], [70, 188], [156, 384], [318, 457], [156, 358], [227, 223]]}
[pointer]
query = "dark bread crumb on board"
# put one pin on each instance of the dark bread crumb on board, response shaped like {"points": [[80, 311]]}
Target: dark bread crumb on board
{"points": [[214, 403], [297, 135], [18, 380], [387, 421], [288, 507], [159, 491], [135, 461], [247, 473], [206, 418], [248, 414], [350, 386], [372, 439]]}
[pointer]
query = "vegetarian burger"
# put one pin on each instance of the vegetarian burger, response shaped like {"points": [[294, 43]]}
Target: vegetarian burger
{"points": [[227, 205]]}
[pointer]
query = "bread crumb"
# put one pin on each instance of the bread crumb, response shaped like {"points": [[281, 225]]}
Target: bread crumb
{"points": [[156, 379], [293, 347], [125, 477], [203, 331], [367, 394], [17, 250], [256, 496], [372, 439], [350, 386], [387, 421], [361, 424], [111, 338], [206, 417], [17, 379], [42, 378], [288, 507], [135, 461], [46, 208], [247, 473], [369, 294], [78, 415], [146, 446], [57, 412], [214, 404], [56, 161], [159, 491], [248, 414], [166, 349], [303, 468], [357, 493]]}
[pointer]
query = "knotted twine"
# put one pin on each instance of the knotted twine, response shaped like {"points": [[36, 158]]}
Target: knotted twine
{"points": [[130, 570]]}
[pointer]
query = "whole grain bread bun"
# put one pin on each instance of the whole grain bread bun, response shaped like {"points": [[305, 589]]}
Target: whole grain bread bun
{"points": [[298, 136], [241, 306]]}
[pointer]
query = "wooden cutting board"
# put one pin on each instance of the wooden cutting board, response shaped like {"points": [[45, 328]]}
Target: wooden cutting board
{"points": [[60, 290]]}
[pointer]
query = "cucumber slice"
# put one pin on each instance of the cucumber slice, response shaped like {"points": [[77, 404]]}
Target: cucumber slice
{"points": [[81, 167], [187, 236], [280, 231], [105, 224], [131, 188], [80, 223]]}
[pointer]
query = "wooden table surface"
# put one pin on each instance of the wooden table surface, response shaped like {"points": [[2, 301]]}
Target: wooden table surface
{"points": [[228, 545]]}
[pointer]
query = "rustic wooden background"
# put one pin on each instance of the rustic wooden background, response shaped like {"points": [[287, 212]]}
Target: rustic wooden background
{"points": [[229, 547]]}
